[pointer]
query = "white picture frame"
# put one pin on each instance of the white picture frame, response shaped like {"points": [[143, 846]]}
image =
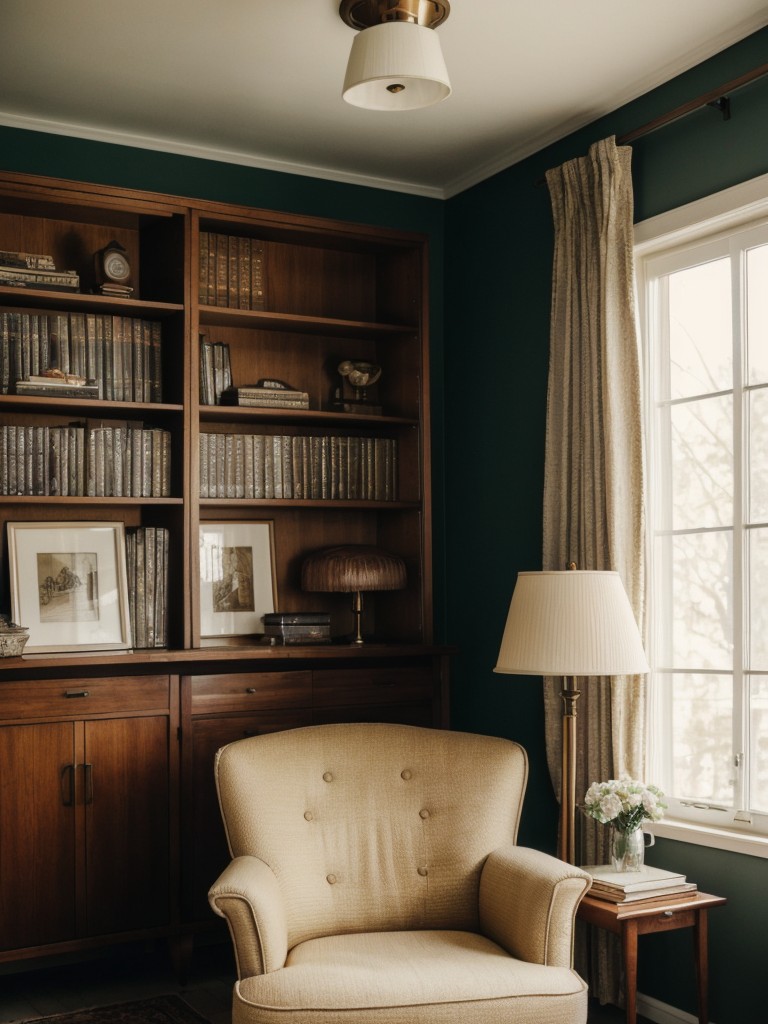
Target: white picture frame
{"points": [[69, 585], [237, 577]]}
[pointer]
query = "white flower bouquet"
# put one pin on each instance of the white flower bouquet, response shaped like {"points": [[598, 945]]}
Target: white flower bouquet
{"points": [[624, 803]]}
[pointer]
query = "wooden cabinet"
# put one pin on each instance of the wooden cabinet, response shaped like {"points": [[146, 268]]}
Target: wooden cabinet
{"points": [[85, 810], [90, 831]]}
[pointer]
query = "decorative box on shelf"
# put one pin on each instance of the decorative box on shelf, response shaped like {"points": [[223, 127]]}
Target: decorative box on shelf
{"points": [[298, 627]]}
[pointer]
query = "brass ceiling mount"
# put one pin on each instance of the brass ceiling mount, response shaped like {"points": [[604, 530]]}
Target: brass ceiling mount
{"points": [[360, 14]]}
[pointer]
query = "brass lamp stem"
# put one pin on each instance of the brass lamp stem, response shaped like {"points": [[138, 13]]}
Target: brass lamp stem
{"points": [[569, 696], [357, 608]]}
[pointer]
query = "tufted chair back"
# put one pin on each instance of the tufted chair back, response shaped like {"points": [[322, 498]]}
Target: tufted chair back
{"points": [[372, 827]]}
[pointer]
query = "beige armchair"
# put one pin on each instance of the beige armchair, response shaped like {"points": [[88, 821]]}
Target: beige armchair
{"points": [[375, 880]]}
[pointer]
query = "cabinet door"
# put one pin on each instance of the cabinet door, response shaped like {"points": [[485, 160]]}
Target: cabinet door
{"points": [[205, 851], [37, 834], [126, 796]]}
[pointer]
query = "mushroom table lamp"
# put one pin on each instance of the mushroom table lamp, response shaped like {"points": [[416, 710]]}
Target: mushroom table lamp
{"points": [[353, 568]]}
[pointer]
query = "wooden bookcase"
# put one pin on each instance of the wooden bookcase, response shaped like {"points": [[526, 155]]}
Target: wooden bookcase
{"points": [[333, 291]]}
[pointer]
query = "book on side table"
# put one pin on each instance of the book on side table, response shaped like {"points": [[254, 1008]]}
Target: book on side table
{"points": [[647, 885]]}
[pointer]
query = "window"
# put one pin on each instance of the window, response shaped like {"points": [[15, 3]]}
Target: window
{"points": [[704, 311]]}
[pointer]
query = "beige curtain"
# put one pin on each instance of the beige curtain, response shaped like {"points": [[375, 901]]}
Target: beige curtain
{"points": [[593, 486]]}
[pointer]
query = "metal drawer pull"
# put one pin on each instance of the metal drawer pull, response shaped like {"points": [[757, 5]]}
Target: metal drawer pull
{"points": [[77, 693], [251, 689], [669, 913]]}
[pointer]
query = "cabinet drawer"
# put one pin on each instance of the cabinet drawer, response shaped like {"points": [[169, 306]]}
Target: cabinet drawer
{"points": [[80, 698], [248, 691], [391, 684]]}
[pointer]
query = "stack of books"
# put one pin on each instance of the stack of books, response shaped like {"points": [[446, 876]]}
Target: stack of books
{"points": [[645, 886], [35, 270], [266, 394]]}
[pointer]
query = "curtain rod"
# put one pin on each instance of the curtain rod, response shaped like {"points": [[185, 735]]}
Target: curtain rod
{"points": [[714, 98]]}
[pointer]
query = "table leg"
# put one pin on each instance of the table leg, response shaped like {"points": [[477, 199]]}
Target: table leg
{"points": [[629, 948], [701, 956]]}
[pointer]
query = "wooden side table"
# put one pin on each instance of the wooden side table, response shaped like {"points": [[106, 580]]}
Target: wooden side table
{"points": [[631, 920]]}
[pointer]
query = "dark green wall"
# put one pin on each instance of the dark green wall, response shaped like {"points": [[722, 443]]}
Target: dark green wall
{"points": [[498, 267]]}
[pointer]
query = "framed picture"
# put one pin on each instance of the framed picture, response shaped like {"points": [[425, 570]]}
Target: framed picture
{"points": [[68, 585], [237, 577]]}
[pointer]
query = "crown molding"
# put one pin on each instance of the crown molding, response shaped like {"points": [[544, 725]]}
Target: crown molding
{"points": [[179, 148]]}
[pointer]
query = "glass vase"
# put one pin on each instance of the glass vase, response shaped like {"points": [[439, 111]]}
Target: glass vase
{"points": [[627, 849]]}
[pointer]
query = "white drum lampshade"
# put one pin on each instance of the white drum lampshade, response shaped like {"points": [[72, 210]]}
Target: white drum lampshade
{"points": [[396, 66]]}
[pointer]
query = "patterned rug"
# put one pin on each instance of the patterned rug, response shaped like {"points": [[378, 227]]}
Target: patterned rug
{"points": [[158, 1010]]}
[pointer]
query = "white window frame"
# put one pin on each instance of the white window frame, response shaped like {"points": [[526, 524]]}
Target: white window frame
{"points": [[704, 221]]}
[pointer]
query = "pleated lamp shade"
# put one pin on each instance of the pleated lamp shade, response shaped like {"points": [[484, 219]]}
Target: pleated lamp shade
{"points": [[571, 623], [352, 567], [396, 66]]}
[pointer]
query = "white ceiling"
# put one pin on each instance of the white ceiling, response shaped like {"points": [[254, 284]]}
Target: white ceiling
{"points": [[258, 82]]}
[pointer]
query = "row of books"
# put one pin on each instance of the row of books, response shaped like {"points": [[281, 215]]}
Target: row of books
{"points": [[648, 885], [79, 460], [232, 271], [300, 466], [121, 355], [215, 371], [128, 462], [146, 551], [38, 460]]}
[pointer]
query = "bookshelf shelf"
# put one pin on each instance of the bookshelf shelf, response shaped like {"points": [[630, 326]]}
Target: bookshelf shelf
{"points": [[42, 299], [214, 316], [42, 406], [242, 414]]}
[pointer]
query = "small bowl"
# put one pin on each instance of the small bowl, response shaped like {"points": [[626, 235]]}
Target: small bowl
{"points": [[12, 640]]}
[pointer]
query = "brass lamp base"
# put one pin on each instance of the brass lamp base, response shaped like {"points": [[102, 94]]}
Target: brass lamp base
{"points": [[366, 13], [567, 852]]}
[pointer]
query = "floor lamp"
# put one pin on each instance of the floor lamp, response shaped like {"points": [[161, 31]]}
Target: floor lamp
{"points": [[571, 623]]}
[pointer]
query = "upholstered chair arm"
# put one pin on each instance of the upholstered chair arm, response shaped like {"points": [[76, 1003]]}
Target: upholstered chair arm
{"points": [[248, 896], [528, 903]]}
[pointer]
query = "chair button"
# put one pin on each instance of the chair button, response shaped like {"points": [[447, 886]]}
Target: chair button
{"points": [[331, 879], [308, 815], [424, 813], [422, 871], [328, 776], [405, 774]]}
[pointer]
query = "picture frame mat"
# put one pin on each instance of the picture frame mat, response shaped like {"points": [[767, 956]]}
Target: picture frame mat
{"points": [[223, 613], [90, 615]]}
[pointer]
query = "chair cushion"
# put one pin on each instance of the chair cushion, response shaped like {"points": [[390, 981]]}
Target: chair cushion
{"points": [[418, 977]]}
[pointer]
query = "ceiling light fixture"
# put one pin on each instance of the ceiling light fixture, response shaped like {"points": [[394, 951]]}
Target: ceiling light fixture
{"points": [[396, 62]]}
